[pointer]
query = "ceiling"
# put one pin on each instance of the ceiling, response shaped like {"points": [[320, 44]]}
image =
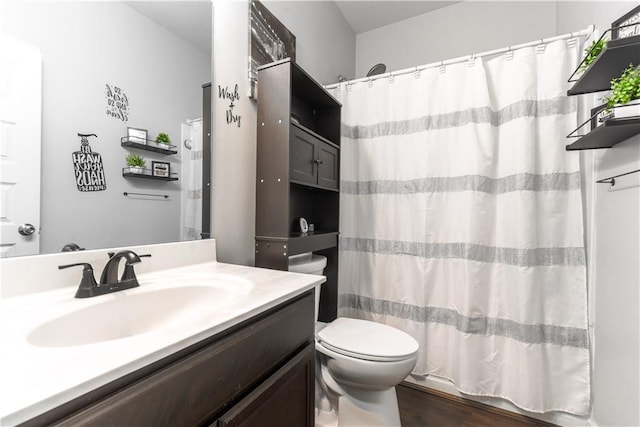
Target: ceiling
{"points": [[191, 19], [366, 15]]}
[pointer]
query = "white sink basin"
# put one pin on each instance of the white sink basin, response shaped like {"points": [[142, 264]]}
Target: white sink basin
{"points": [[138, 311]]}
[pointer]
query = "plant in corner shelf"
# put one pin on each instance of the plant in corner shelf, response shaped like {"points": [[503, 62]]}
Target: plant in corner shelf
{"points": [[163, 138], [592, 53], [136, 163], [624, 89]]}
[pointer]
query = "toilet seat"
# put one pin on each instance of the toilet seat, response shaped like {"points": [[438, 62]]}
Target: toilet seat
{"points": [[367, 340]]}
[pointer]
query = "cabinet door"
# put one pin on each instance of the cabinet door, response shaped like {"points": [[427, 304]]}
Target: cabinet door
{"points": [[328, 166], [303, 156], [284, 399]]}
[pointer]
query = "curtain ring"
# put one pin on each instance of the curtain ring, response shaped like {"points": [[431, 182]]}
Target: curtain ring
{"points": [[509, 55]]}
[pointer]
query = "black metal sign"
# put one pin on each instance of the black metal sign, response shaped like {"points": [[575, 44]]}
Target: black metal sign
{"points": [[88, 167]]}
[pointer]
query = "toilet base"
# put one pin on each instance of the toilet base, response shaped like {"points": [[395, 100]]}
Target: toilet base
{"points": [[369, 408]]}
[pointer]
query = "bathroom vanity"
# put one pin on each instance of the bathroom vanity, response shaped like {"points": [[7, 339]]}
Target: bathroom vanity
{"points": [[249, 357]]}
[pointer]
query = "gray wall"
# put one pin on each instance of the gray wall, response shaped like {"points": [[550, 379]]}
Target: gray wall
{"points": [[457, 30], [86, 45], [324, 48], [326, 44]]}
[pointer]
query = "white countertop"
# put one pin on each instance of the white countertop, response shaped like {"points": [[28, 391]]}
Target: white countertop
{"points": [[36, 379]]}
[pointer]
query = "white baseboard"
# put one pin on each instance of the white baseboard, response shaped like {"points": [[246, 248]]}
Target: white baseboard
{"points": [[558, 418]]}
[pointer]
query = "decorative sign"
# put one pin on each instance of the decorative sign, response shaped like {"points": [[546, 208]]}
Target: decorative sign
{"points": [[162, 169], [270, 41], [624, 26], [117, 102], [88, 167], [225, 93]]}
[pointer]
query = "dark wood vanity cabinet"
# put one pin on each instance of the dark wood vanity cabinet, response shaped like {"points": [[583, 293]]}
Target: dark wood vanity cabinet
{"points": [[260, 373], [298, 173]]}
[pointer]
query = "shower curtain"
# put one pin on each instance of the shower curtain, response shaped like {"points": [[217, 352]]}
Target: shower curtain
{"points": [[461, 223], [192, 226]]}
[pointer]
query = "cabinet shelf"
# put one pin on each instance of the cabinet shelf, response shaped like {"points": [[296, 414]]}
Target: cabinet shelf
{"points": [[608, 134], [314, 186], [146, 173], [299, 243], [126, 141], [611, 62], [314, 241]]}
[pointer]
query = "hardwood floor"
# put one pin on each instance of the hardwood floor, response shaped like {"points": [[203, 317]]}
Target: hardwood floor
{"points": [[420, 408]]}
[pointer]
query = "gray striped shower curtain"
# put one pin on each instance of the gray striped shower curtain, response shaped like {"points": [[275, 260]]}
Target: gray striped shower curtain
{"points": [[461, 223]]}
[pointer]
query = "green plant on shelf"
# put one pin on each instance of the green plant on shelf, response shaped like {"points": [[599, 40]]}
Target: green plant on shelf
{"points": [[135, 161], [592, 53], [163, 138], [624, 89]]}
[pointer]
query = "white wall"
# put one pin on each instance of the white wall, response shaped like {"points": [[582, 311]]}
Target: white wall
{"points": [[457, 30], [324, 48], [86, 45], [614, 239], [325, 43]]}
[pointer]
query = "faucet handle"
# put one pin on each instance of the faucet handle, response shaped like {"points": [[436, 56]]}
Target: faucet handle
{"points": [[128, 273], [87, 283]]}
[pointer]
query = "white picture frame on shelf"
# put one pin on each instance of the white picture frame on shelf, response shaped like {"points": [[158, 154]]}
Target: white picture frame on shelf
{"points": [[137, 135]]}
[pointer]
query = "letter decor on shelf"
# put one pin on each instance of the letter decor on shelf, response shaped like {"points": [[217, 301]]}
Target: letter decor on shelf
{"points": [[88, 167], [117, 103], [225, 93]]}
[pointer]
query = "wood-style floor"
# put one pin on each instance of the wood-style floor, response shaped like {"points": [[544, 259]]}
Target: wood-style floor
{"points": [[419, 408]]}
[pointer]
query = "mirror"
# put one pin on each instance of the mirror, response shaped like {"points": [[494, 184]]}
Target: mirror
{"points": [[107, 67]]}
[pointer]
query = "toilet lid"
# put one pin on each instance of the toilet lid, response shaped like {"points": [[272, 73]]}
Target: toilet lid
{"points": [[367, 340]]}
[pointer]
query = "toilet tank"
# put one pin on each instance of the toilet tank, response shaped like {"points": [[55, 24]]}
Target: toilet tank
{"points": [[309, 263]]}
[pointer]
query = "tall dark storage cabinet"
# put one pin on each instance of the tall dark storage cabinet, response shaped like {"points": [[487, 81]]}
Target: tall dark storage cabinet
{"points": [[298, 173]]}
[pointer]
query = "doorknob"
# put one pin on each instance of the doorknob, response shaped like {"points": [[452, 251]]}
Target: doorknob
{"points": [[26, 229]]}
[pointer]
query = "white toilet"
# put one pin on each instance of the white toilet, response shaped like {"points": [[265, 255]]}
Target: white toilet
{"points": [[359, 362]]}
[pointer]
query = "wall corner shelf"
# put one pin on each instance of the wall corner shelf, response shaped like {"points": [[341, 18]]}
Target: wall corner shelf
{"points": [[611, 132], [126, 141]]}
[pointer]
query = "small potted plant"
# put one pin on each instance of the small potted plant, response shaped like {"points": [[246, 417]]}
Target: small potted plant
{"points": [[624, 100], [163, 140], [136, 163], [592, 52]]}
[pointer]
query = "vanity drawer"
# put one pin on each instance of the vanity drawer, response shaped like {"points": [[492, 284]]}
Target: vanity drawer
{"points": [[203, 385]]}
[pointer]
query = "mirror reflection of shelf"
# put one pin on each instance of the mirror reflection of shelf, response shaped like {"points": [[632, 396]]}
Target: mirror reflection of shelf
{"points": [[147, 144], [146, 173]]}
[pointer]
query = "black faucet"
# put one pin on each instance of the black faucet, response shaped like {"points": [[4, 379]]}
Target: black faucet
{"points": [[109, 279]]}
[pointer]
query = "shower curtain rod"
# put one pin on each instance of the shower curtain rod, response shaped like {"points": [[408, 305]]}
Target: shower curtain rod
{"points": [[585, 32], [190, 121]]}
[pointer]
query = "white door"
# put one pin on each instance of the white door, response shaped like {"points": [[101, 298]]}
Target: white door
{"points": [[20, 127]]}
